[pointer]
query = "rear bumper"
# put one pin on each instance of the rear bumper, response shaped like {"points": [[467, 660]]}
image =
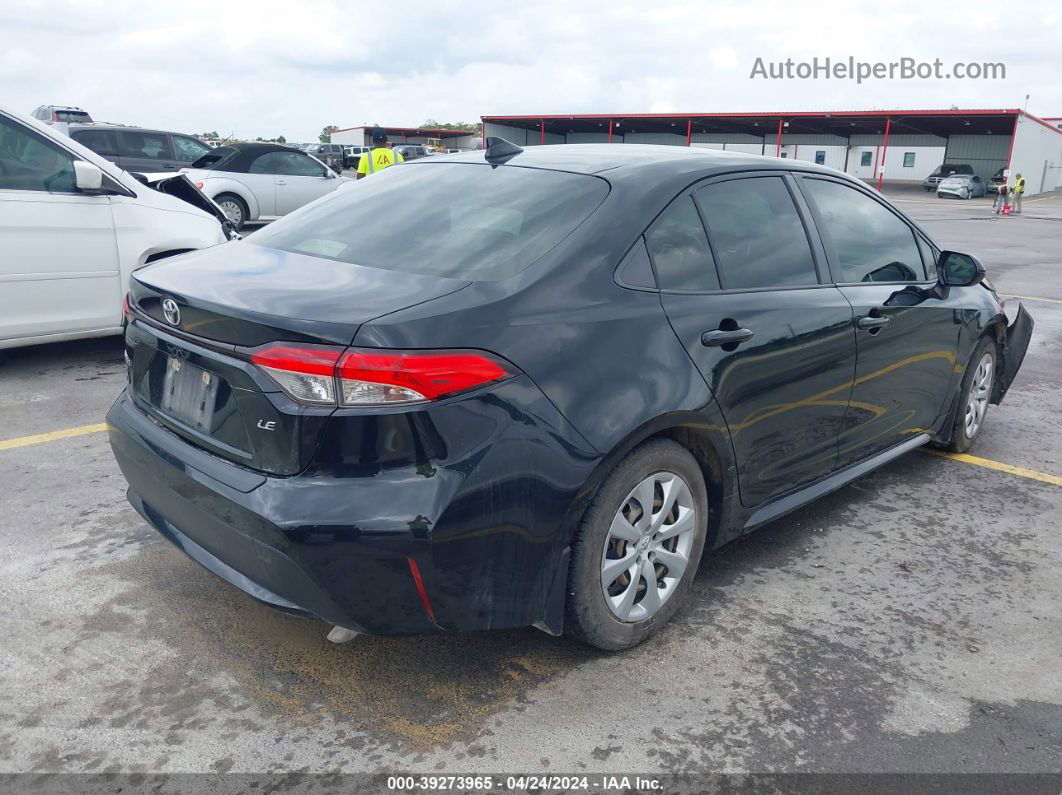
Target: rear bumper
{"points": [[1014, 348], [484, 526]]}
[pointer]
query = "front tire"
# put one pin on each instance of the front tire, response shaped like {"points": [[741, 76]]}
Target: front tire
{"points": [[977, 385], [638, 547], [234, 207]]}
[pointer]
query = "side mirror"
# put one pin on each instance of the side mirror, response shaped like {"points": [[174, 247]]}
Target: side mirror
{"points": [[87, 177], [959, 270]]}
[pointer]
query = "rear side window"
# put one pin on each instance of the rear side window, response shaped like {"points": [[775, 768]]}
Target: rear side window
{"points": [[679, 249], [472, 221], [870, 242], [756, 233], [99, 141]]}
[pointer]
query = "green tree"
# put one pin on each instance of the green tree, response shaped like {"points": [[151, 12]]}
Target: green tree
{"points": [[281, 139], [326, 134], [467, 126]]}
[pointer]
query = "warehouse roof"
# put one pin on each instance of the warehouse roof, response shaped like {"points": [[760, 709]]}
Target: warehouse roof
{"points": [[999, 121]]}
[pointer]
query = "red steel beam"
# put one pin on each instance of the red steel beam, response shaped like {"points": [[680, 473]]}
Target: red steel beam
{"points": [[884, 153], [778, 145], [689, 131]]}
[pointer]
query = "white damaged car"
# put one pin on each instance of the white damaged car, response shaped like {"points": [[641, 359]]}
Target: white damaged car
{"points": [[74, 226]]}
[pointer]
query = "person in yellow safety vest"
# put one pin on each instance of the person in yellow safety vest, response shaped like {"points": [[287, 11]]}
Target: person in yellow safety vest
{"points": [[380, 157], [1017, 192]]}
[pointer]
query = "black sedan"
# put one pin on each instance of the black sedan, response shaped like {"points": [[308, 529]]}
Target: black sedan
{"points": [[589, 365]]}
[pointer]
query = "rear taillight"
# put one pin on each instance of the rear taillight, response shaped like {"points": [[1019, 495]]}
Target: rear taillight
{"points": [[324, 375], [127, 312], [199, 185]]}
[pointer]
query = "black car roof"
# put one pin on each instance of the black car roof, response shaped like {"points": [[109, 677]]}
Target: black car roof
{"points": [[237, 158]]}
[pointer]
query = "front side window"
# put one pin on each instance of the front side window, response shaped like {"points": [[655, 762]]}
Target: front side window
{"points": [[472, 221], [151, 146], [870, 242], [28, 162], [189, 149], [294, 164], [679, 249], [757, 236]]}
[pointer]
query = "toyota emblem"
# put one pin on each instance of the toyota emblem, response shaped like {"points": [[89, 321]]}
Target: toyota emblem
{"points": [[171, 311]]}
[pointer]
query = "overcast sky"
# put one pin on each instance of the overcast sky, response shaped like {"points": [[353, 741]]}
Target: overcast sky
{"points": [[258, 67]]}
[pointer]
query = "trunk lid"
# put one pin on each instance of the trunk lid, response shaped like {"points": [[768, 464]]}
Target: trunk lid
{"points": [[188, 368]]}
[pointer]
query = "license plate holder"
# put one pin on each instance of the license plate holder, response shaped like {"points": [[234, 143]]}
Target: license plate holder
{"points": [[189, 394]]}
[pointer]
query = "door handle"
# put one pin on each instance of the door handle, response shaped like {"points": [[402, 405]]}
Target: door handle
{"points": [[281, 182], [718, 337], [872, 322]]}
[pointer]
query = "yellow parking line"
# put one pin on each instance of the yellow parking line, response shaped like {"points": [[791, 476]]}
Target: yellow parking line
{"points": [[966, 458], [51, 436], [1030, 298]]}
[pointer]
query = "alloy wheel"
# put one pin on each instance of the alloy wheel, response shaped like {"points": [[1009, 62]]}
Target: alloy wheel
{"points": [[980, 392], [648, 546], [233, 211]]}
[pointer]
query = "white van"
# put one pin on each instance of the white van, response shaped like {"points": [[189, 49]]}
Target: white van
{"points": [[73, 226]]}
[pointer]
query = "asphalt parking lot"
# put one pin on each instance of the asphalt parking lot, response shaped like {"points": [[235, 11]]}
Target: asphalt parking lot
{"points": [[907, 623]]}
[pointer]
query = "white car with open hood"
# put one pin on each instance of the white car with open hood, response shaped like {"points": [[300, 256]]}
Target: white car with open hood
{"points": [[73, 226]]}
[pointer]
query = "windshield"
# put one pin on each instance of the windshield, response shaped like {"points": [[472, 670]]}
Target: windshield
{"points": [[71, 116], [459, 220]]}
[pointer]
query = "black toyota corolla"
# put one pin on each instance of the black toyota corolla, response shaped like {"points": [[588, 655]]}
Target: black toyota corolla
{"points": [[532, 387]]}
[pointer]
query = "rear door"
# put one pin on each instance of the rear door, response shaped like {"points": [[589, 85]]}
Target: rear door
{"points": [[58, 255], [774, 342], [145, 151], [907, 334]]}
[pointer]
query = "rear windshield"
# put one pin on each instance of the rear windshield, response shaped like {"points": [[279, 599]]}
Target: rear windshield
{"points": [[71, 116], [459, 220]]}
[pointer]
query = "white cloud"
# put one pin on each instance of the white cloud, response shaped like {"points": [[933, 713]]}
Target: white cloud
{"points": [[268, 67]]}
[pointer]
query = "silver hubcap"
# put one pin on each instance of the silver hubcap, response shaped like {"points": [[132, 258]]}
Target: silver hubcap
{"points": [[648, 546], [980, 392], [233, 211]]}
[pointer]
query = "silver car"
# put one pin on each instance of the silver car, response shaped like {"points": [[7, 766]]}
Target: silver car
{"points": [[962, 186]]}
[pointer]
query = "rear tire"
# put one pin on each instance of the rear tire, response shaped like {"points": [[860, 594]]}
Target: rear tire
{"points": [[609, 603], [978, 384], [234, 207]]}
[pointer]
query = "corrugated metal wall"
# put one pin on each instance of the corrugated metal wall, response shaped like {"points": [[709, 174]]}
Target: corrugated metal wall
{"points": [[514, 135], [1037, 157], [986, 153]]}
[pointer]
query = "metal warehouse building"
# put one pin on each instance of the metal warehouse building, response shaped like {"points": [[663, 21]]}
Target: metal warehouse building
{"points": [[360, 136], [876, 145]]}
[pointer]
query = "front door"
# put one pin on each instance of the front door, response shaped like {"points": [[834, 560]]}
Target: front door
{"points": [[774, 343], [58, 255], [907, 334]]}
